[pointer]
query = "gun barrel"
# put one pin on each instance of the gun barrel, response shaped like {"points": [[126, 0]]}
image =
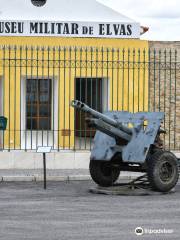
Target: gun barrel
{"points": [[85, 108], [109, 130]]}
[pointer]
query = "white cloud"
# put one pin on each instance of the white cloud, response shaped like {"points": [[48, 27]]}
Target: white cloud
{"points": [[161, 16]]}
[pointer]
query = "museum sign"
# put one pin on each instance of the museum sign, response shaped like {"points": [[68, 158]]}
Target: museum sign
{"points": [[70, 29]]}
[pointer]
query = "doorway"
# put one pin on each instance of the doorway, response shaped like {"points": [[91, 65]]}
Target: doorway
{"points": [[39, 103], [94, 93]]}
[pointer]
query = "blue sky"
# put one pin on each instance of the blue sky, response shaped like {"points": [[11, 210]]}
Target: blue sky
{"points": [[161, 16]]}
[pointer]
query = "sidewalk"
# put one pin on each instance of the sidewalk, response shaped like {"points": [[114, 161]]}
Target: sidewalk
{"points": [[54, 175]]}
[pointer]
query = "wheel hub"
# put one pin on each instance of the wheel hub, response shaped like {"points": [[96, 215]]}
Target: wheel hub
{"points": [[166, 172]]}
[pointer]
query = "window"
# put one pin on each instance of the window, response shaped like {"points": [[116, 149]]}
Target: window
{"points": [[38, 104], [89, 91]]}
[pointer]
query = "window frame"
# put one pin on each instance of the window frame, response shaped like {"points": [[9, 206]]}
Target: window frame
{"points": [[37, 104]]}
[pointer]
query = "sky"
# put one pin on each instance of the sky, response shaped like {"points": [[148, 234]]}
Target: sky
{"points": [[161, 16]]}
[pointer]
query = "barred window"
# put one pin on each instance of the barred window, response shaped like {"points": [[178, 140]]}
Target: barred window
{"points": [[38, 104]]}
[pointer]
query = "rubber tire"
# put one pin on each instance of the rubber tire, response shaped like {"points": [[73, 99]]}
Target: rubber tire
{"points": [[102, 173], [153, 170]]}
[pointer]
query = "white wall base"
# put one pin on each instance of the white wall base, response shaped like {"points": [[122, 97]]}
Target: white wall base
{"points": [[56, 160]]}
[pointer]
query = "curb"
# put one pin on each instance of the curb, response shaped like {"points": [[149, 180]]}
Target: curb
{"points": [[39, 178]]}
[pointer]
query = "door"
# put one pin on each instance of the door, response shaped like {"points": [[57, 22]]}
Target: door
{"points": [[89, 91]]}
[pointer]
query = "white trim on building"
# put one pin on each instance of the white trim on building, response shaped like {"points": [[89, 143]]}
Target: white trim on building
{"points": [[61, 10], [67, 18]]}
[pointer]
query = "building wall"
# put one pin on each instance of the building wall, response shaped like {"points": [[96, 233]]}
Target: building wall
{"points": [[163, 92], [92, 42], [164, 86], [15, 69]]}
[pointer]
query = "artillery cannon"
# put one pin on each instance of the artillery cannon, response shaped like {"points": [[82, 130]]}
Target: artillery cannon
{"points": [[127, 141]]}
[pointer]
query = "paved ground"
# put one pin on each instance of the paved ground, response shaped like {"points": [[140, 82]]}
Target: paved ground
{"points": [[68, 211]]}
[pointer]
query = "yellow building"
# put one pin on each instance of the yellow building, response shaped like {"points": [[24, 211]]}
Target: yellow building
{"points": [[52, 52]]}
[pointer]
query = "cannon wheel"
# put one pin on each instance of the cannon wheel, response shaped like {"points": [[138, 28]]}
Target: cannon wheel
{"points": [[103, 173], [162, 170]]}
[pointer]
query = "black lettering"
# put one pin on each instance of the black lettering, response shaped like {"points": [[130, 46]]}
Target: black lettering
{"points": [[20, 27], [66, 29], [129, 29], [75, 28], [122, 30], [52, 28], [13, 27], [46, 30], [59, 27], [84, 30], [116, 28], [40, 27], [33, 27], [7, 27], [1, 27], [101, 29], [108, 29], [90, 30]]}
